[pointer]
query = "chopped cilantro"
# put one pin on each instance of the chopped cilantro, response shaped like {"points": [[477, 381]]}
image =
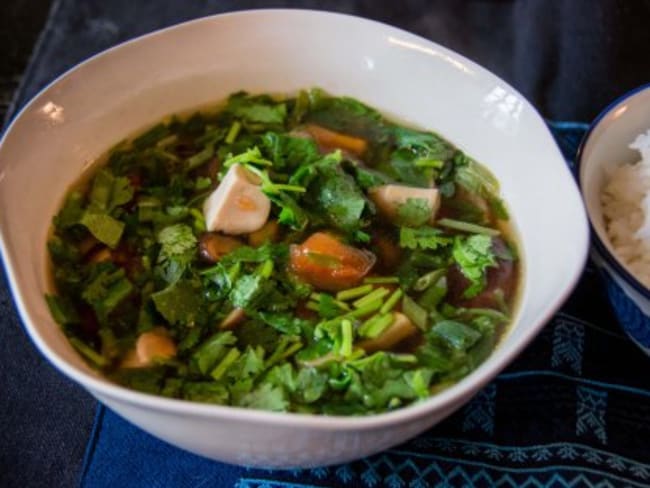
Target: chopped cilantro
{"points": [[253, 329], [474, 255], [180, 303], [177, 248], [423, 238], [104, 227], [415, 212]]}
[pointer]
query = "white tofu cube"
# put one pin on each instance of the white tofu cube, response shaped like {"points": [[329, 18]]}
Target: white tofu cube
{"points": [[237, 205], [389, 198]]}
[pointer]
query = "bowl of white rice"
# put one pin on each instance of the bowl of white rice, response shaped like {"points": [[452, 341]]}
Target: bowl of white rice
{"points": [[614, 176]]}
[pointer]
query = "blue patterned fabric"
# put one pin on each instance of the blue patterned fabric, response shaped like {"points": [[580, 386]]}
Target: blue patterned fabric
{"points": [[571, 411]]}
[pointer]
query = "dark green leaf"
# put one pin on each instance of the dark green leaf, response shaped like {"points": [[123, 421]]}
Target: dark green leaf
{"points": [[266, 397], [105, 228], [474, 255], [456, 335], [257, 109], [180, 303], [207, 355], [415, 212], [177, 249], [423, 238]]}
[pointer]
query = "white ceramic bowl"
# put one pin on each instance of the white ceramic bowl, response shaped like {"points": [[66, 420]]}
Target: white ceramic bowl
{"points": [[605, 146], [110, 96]]}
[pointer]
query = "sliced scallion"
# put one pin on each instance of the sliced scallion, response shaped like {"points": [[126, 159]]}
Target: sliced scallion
{"points": [[467, 227]]}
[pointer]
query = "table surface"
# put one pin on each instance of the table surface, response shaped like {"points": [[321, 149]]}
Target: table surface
{"points": [[570, 59]]}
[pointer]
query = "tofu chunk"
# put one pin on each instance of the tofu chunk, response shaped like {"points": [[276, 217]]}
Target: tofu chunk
{"points": [[389, 198], [400, 329], [237, 205]]}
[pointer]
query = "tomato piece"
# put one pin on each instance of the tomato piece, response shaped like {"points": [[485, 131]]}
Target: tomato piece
{"points": [[329, 140], [326, 263]]}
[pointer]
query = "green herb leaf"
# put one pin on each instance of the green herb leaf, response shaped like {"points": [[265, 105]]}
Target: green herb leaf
{"points": [[71, 212], [338, 198], [456, 335], [107, 290], [423, 238], [473, 256], [289, 152], [257, 109], [286, 323], [105, 228], [266, 397], [249, 291], [415, 212], [177, 249], [207, 355], [180, 303]]}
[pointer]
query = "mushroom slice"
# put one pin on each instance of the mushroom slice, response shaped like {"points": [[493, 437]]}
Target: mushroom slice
{"points": [[151, 345]]}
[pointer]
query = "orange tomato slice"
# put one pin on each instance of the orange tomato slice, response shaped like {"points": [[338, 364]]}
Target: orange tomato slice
{"points": [[326, 263]]}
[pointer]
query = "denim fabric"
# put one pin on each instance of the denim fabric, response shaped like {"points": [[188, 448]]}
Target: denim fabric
{"points": [[44, 418]]}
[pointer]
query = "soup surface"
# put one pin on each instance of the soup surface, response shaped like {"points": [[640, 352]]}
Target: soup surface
{"points": [[298, 254]]}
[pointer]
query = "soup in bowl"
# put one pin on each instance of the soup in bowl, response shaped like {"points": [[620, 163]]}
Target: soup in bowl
{"points": [[339, 263], [298, 254]]}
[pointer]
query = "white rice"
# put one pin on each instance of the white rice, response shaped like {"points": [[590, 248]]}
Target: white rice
{"points": [[626, 207]]}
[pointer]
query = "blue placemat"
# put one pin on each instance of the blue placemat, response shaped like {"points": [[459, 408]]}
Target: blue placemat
{"points": [[573, 410]]}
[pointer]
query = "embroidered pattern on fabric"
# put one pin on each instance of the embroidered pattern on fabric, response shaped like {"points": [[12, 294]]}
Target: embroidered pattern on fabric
{"points": [[590, 413], [479, 413], [568, 344]]}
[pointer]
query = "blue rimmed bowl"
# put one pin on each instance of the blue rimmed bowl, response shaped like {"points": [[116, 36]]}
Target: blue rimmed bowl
{"points": [[605, 146]]}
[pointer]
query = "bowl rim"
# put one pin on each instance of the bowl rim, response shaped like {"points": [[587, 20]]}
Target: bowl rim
{"points": [[446, 401], [609, 257]]}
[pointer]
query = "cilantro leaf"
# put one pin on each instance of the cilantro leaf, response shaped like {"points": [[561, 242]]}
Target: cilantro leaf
{"points": [[205, 392], [180, 303], [178, 247], [249, 156], [106, 290], [71, 212], [412, 148], [456, 335], [122, 192], [247, 254], [338, 198], [425, 144], [346, 115], [478, 180], [367, 178], [288, 152], [105, 228], [151, 136], [415, 212], [251, 363], [108, 192], [474, 255], [311, 385], [257, 109], [209, 352], [249, 291], [291, 214], [63, 312], [266, 397], [286, 323], [423, 238]]}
